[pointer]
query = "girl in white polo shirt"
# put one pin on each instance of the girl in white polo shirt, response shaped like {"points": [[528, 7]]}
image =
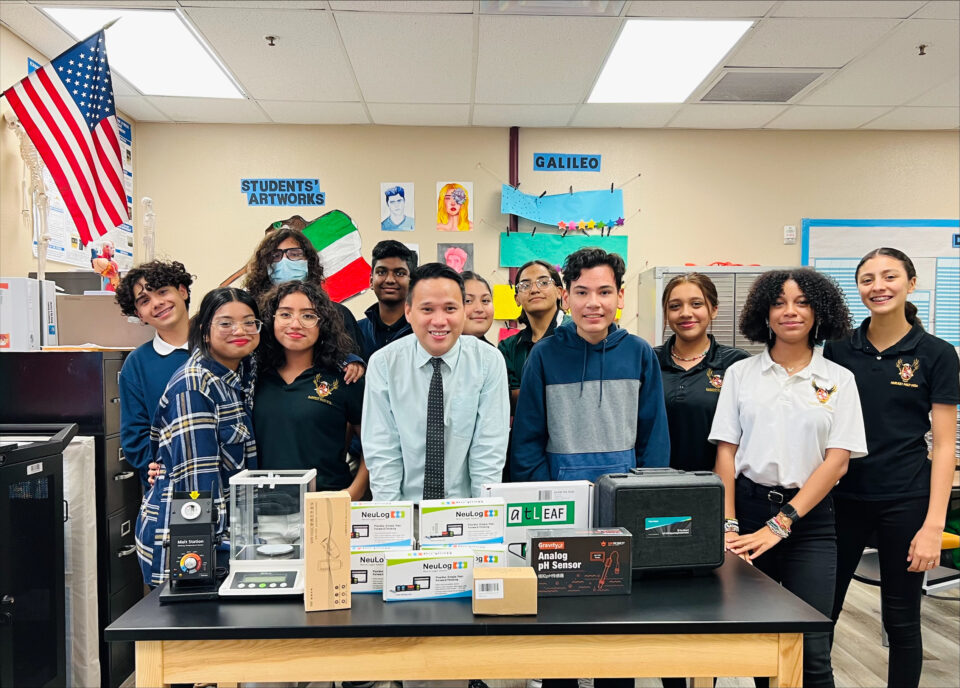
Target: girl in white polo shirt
{"points": [[787, 422]]}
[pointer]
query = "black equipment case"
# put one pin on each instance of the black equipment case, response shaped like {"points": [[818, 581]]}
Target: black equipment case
{"points": [[676, 517]]}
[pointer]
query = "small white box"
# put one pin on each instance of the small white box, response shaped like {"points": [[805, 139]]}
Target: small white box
{"points": [[545, 504], [381, 524], [484, 556], [428, 574], [367, 567], [19, 314], [48, 313], [461, 521]]}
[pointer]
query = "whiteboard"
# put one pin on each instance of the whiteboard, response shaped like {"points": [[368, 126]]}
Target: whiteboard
{"points": [[835, 247]]}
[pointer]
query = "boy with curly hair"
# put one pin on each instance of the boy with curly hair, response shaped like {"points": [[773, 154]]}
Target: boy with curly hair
{"points": [[158, 293]]}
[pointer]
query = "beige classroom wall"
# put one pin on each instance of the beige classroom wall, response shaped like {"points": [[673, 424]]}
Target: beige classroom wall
{"points": [[16, 239]]}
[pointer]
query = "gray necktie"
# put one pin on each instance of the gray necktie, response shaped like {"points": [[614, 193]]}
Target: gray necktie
{"points": [[433, 468]]}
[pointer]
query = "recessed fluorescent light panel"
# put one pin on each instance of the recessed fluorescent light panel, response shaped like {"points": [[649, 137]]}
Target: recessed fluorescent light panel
{"points": [[154, 50], [663, 61]]}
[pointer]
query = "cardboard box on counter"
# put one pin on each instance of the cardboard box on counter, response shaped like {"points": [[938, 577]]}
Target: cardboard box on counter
{"points": [[506, 591], [381, 524], [444, 573], [461, 521], [595, 561], [327, 551]]}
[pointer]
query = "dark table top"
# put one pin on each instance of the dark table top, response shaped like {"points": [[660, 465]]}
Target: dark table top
{"points": [[735, 598]]}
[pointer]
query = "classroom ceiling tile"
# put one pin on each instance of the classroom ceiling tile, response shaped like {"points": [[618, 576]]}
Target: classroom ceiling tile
{"points": [[525, 60], [35, 28], [277, 72], [825, 117], [847, 8], [706, 9], [221, 110], [625, 115], [256, 4], [946, 94], [422, 6], [418, 114], [808, 42], [410, 58], [298, 112], [939, 9], [726, 116], [918, 118], [893, 72], [522, 115], [139, 109], [553, 8]]}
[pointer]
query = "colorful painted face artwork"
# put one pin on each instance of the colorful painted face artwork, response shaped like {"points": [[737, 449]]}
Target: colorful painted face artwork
{"points": [[396, 207], [457, 256], [453, 206]]}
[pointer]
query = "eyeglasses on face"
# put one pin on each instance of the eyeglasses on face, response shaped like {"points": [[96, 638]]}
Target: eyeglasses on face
{"points": [[527, 285], [308, 320], [230, 326], [292, 253]]}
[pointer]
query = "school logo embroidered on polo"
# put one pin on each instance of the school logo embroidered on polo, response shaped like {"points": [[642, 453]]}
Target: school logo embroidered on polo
{"points": [[907, 370], [715, 379], [823, 394], [323, 389]]}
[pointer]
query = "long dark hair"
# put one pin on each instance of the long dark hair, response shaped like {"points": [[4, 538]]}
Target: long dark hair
{"points": [[258, 280], [554, 275], [832, 318], [909, 309], [332, 344], [698, 279], [211, 303]]}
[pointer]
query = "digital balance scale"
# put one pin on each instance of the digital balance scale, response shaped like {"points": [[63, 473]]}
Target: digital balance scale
{"points": [[266, 532]]}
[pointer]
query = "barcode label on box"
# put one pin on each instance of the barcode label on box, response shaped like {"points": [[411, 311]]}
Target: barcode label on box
{"points": [[488, 589]]}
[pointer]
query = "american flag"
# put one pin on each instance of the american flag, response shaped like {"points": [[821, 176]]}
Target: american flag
{"points": [[67, 110]]}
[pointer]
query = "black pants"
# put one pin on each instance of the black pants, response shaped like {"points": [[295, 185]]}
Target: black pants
{"points": [[895, 523], [805, 564]]}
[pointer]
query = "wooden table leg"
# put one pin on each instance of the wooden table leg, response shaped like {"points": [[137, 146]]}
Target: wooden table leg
{"points": [[702, 682], [790, 662], [149, 664]]}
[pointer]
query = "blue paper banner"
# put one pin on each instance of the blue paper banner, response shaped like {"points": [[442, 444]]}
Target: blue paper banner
{"points": [[599, 206], [565, 162], [516, 249], [296, 192]]}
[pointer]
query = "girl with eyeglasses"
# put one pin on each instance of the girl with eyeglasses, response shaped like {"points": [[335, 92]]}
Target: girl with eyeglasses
{"points": [[202, 429], [303, 405]]}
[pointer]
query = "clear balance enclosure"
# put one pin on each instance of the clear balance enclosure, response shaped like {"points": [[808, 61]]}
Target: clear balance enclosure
{"points": [[267, 514]]}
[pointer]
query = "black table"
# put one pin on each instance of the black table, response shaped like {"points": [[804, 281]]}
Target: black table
{"points": [[733, 622]]}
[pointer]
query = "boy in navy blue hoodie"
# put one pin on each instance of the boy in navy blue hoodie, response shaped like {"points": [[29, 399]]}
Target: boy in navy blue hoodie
{"points": [[591, 397]]}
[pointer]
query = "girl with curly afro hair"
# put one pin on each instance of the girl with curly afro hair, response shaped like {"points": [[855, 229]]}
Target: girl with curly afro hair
{"points": [[303, 406], [909, 384], [787, 423]]}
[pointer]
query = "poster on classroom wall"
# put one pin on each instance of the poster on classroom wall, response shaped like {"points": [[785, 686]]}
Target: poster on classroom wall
{"points": [[454, 206], [457, 256], [65, 245], [396, 207]]}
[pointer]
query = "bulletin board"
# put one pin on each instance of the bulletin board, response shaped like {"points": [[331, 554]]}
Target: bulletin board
{"points": [[834, 247]]}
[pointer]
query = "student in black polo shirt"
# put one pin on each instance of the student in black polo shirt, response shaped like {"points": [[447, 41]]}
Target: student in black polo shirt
{"points": [[303, 405], [905, 377], [692, 365]]}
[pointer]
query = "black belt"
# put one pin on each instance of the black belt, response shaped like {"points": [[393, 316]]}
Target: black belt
{"points": [[776, 494]]}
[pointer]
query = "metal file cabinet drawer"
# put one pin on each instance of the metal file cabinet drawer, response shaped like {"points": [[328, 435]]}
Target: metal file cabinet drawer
{"points": [[121, 483], [111, 395], [124, 567]]}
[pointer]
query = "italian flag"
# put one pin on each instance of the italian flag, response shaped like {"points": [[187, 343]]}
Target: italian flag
{"points": [[337, 239]]}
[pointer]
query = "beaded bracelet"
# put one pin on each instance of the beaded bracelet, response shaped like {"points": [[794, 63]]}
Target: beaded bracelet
{"points": [[778, 529]]}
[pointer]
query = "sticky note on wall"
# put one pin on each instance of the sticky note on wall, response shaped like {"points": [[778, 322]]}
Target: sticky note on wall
{"points": [[504, 306]]}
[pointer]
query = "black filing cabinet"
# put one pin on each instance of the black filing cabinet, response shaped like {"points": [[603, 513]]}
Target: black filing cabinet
{"points": [[83, 387]]}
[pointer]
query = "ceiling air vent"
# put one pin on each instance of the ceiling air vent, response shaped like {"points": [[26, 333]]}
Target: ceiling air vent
{"points": [[759, 87]]}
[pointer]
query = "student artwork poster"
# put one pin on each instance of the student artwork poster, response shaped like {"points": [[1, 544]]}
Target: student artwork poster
{"points": [[457, 256], [396, 207], [454, 206]]}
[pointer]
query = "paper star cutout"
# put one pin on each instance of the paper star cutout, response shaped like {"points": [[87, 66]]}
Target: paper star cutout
{"points": [[581, 225], [562, 224], [591, 224], [601, 224], [619, 222]]}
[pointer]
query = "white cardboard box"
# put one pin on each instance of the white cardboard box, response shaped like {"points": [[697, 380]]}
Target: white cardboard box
{"points": [[461, 521], [546, 504], [19, 314], [381, 524], [48, 313], [367, 568], [484, 556], [445, 573]]}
